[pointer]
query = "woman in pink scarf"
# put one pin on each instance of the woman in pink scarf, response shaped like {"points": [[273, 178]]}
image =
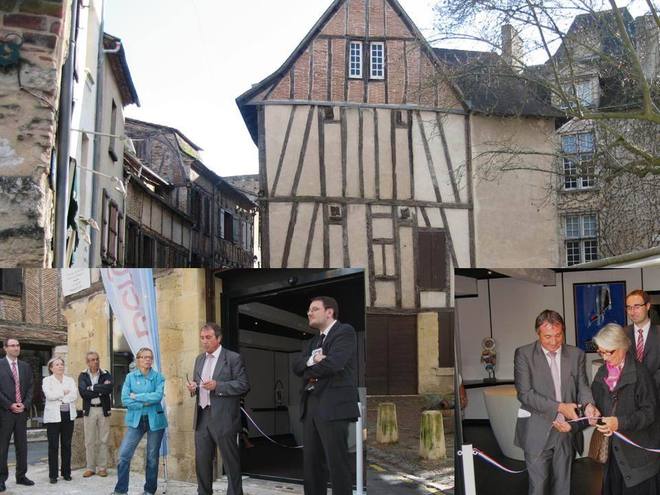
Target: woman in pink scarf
{"points": [[625, 394]]}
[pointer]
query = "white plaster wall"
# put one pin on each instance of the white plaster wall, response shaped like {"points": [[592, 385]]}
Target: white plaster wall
{"points": [[516, 222], [84, 113]]}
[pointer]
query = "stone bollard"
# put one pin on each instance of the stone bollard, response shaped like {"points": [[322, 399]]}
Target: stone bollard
{"points": [[432, 436], [387, 428]]}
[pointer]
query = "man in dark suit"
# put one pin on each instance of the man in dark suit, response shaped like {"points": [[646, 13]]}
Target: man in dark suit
{"points": [[550, 379], [15, 404], [329, 399], [219, 382], [645, 337]]}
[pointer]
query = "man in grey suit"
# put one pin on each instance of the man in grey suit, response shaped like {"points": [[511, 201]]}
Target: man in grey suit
{"points": [[219, 382], [645, 337], [550, 379]]}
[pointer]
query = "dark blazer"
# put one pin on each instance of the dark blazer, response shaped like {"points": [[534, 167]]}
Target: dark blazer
{"points": [[101, 390], [336, 374], [233, 383], [536, 393], [651, 350], [8, 388], [637, 412]]}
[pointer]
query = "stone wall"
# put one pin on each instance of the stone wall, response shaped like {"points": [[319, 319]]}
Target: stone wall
{"points": [[29, 94], [181, 312]]}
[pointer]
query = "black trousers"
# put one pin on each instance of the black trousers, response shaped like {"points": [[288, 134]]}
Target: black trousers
{"points": [[15, 424], [60, 433], [207, 439], [325, 453]]}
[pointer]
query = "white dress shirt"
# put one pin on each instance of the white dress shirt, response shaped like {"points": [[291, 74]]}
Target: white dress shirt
{"points": [[326, 331]]}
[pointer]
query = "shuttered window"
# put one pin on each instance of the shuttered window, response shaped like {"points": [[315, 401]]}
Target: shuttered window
{"points": [[432, 261]]}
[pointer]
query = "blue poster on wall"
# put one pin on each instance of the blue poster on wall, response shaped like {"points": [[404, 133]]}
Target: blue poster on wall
{"points": [[596, 305]]}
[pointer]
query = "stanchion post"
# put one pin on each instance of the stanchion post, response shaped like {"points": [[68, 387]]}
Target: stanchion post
{"points": [[359, 454], [468, 470]]}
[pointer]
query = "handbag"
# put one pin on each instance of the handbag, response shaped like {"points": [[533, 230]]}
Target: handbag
{"points": [[599, 447]]}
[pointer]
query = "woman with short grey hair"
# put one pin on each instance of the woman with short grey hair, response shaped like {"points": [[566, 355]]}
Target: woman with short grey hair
{"points": [[625, 394]]}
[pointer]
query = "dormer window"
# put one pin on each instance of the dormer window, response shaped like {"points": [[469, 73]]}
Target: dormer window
{"points": [[355, 59], [377, 60]]}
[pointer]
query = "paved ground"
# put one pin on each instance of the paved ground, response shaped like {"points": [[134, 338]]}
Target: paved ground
{"points": [[402, 458]]}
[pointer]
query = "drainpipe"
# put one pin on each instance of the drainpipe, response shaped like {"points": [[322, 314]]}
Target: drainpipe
{"points": [[63, 140], [94, 247]]}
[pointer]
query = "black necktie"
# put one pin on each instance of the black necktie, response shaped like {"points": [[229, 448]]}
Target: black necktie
{"points": [[321, 338]]}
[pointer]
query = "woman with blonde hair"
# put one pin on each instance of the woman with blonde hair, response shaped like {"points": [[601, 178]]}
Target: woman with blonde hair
{"points": [[61, 393], [625, 395], [142, 395]]}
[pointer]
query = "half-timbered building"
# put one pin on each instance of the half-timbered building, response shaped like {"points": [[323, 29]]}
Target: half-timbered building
{"points": [[221, 234], [367, 158], [31, 311]]}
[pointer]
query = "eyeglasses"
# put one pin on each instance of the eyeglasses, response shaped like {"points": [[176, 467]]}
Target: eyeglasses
{"points": [[634, 306], [145, 357], [605, 353]]}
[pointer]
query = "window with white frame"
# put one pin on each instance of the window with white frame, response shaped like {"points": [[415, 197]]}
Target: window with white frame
{"points": [[377, 60], [355, 59], [581, 232], [577, 152], [584, 93]]}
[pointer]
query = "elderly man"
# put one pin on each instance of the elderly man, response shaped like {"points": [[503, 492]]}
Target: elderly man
{"points": [[551, 380], [95, 387]]}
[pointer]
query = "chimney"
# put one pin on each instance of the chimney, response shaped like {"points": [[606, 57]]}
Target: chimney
{"points": [[512, 47]]}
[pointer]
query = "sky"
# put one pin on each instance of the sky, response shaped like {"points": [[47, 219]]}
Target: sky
{"points": [[190, 59]]}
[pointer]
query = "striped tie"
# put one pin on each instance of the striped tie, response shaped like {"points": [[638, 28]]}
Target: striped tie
{"points": [[640, 345], [16, 382]]}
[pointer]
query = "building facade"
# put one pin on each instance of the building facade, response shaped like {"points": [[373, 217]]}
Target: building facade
{"points": [[33, 40], [367, 159], [31, 311], [222, 217], [607, 187]]}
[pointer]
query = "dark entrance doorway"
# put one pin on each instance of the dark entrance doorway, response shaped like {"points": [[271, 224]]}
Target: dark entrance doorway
{"points": [[264, 317]]}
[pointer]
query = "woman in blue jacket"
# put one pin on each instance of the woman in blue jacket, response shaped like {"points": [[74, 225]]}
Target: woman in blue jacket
{"points": [[142, 395]]}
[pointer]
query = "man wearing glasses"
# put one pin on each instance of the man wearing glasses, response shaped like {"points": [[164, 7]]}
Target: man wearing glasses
{"points": [[15, 404], [645, 337], [551, 380]]}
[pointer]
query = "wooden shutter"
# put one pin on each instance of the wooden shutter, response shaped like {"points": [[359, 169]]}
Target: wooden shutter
{"points": [[391, 354], [432, 259]]}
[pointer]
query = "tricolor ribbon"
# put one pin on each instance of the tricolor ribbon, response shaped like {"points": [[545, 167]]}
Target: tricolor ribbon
{"points": [[267, 437], [490, 460]]}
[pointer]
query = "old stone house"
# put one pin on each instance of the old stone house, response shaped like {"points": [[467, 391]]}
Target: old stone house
{"points": [[223, 217], [33, 39], [605, 212], [368, 158], [31, 311], [63, 86]]}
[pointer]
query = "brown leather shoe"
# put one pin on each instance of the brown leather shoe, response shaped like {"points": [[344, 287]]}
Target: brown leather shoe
{"points": [[88, 473], [102, 473]]}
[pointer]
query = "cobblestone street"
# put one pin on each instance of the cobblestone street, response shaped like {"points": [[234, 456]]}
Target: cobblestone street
{"points": [[404, 456]]}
